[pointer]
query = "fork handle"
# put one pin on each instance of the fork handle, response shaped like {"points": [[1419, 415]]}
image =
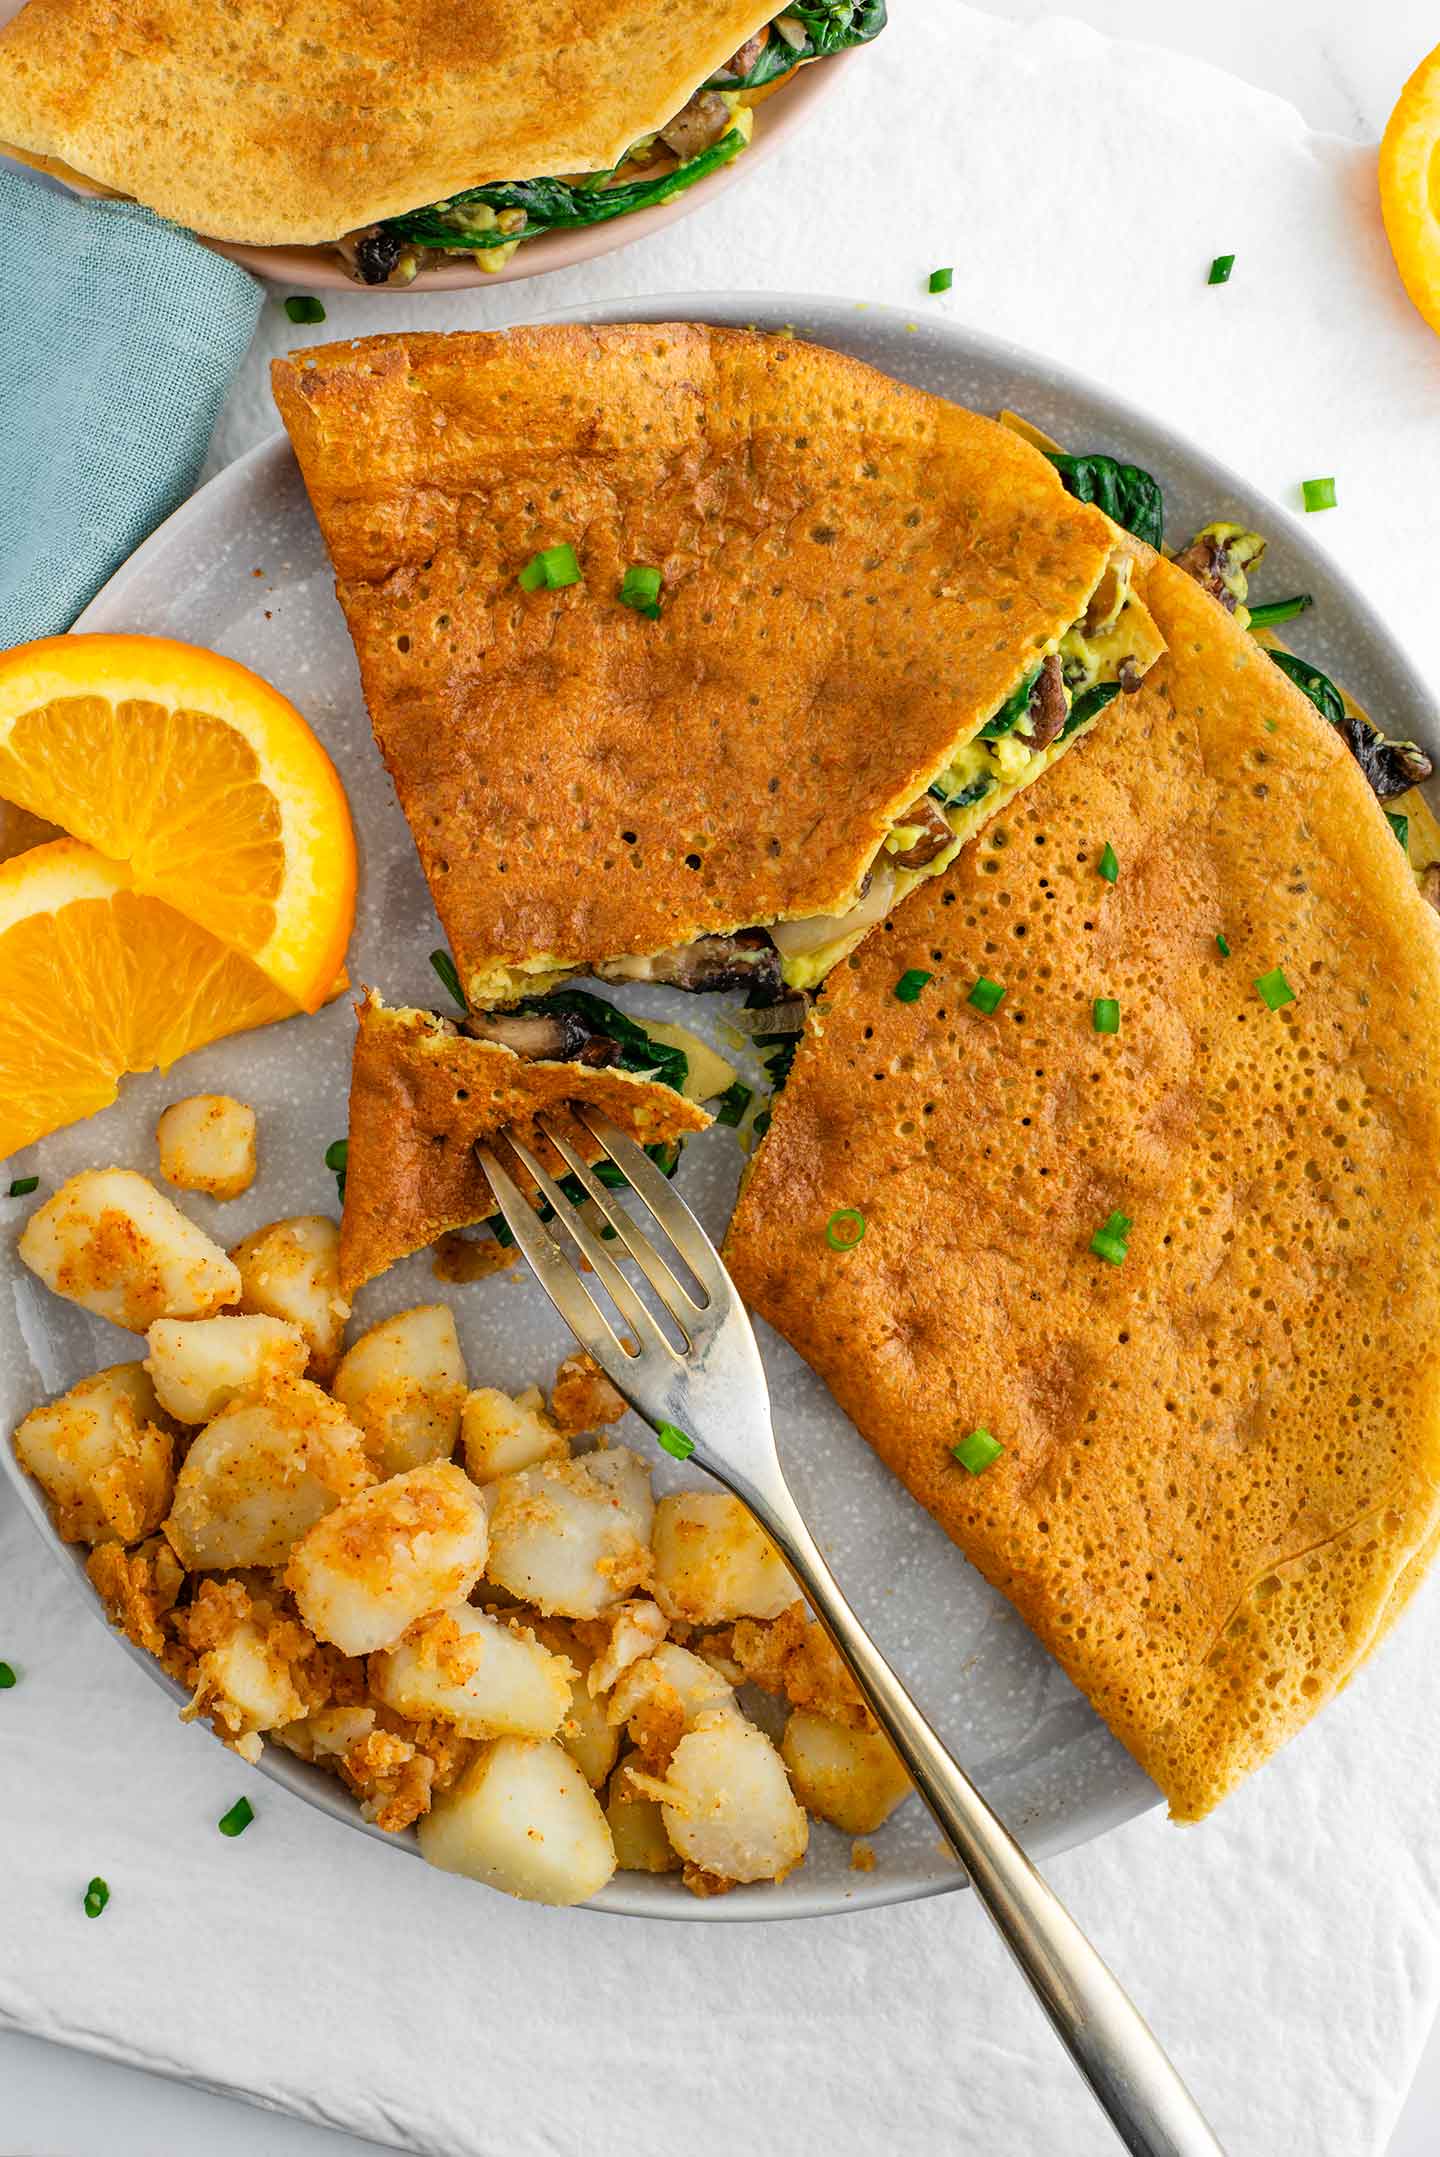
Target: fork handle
{"points": [[1108, 2039]]}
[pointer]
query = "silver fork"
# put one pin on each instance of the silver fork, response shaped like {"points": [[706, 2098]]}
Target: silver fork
{"points": [[712, 1392]]}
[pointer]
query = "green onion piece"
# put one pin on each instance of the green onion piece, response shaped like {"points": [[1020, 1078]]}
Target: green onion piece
{"points": [[677, 1443], [941, 280], [1107, 1015], [304, 308], [23, 1186], [551, 569], [1318, 493], [911, 982], [640, 589], [1272, 611], [235, 1822], [1110, 1241], [1222, 943], [977, 1452], [97, 1894], [1220, 270], [445, 967], [1109, 864], [986, 994], [1400, 825], [7, 1677], [1274, 990], [762, 1123], [337, 1153], [844, 1228], [733, 1103]]}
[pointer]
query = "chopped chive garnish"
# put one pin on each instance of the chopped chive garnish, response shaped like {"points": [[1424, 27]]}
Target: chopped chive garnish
{"points": [[987, 994], [1400, 825], [7, 1677], [762, 1123], [911, 982], [1318, 493], [551, 569], [22, 1186], [1274, 990], [844, 1228], [941, 280], [97, 1894], [1271, 611], [445, 967], [978, 1451], [235, 1822], [640, 589], [1222, 943], [677, 1443], [1220, 270], [731, 1106], [1110, 1241], [304, 307], [1107, 1015], [1109, 864]]}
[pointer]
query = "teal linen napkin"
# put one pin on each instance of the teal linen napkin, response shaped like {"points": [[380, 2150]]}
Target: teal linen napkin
{"points": [[119, 338]]}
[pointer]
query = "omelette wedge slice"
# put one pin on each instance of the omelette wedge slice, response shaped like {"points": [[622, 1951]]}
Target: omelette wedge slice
{"points": [[877, 616], [423, 1095], [1219, 1475]]}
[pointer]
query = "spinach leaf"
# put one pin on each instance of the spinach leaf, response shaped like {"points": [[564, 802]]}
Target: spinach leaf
{"points": [[967, 796], [1086, 706], [1012, 711], [1125, 492], [829, 26], [553, 205], [1321, 691], [637, 1051]]}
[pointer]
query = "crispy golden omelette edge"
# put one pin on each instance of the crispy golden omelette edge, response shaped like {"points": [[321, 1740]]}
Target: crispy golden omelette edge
{"points": [[1223, 1456], [584, 784], [422, 1095], [299, 126]]}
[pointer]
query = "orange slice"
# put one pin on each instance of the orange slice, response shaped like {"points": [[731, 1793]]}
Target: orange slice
{"points": [[98, 979], [1410, 186], [199, 777]]}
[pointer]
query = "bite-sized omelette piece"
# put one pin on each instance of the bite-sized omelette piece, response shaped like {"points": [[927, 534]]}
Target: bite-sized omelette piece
{"points": [[1220, 1429], [856, 579], [423, 1095]]}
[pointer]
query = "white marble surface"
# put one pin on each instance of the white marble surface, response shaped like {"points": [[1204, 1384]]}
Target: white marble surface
{"points": [[1342, 66]]}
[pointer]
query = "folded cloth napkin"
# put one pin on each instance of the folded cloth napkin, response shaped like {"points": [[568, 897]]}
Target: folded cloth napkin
{"points": [[119, 340]]}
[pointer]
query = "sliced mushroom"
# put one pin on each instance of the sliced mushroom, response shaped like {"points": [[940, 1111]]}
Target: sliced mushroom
{"points": [[697, 125], [376, 255], [1048, 706], [1430, 885], [555, 1037], [1392, 767], [745, 960], [935, 834], [741, 62], [1218, 559]]}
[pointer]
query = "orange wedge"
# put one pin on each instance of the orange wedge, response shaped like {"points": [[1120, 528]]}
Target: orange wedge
{"points": [[201, 779], [97, 979], [1410, 186]]}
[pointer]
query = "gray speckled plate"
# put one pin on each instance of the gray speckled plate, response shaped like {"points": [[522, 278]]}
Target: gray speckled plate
{"points": [[241, 567]]}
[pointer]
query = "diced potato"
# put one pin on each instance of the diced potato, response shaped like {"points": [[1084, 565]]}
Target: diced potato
{"points": [[367, 1571], [101, 1457], [200, 1365], [663, 1697], [634, 1630], [291, 1270], [207, 1143], [404, 1383], [714, 1562], [587, 1733], [628, 1476], [502, 1435], [112, 1243], [522, 1818], [637, 1826], [730, 1809], [852, 1778], [245, 1686], [488, 1678], [261, 1474], [563, 1534]]}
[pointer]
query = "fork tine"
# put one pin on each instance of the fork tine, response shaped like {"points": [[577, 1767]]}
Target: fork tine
{"points": [[669, 1209], [647, 1258], [555, 1273], [588, 1244]]}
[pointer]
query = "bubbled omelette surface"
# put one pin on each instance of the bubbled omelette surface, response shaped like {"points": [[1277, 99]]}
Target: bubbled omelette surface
{"points": [[856, 575], [422, 1096], [287, 121], [1221, 1458]]}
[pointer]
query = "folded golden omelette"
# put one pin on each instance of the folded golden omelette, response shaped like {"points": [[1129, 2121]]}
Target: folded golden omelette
{"points": [[423, 1095], [1173, 1289], [868, 618]]}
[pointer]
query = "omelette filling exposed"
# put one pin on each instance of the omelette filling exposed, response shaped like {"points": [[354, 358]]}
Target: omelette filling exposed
{"points": [[488, 223]]}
